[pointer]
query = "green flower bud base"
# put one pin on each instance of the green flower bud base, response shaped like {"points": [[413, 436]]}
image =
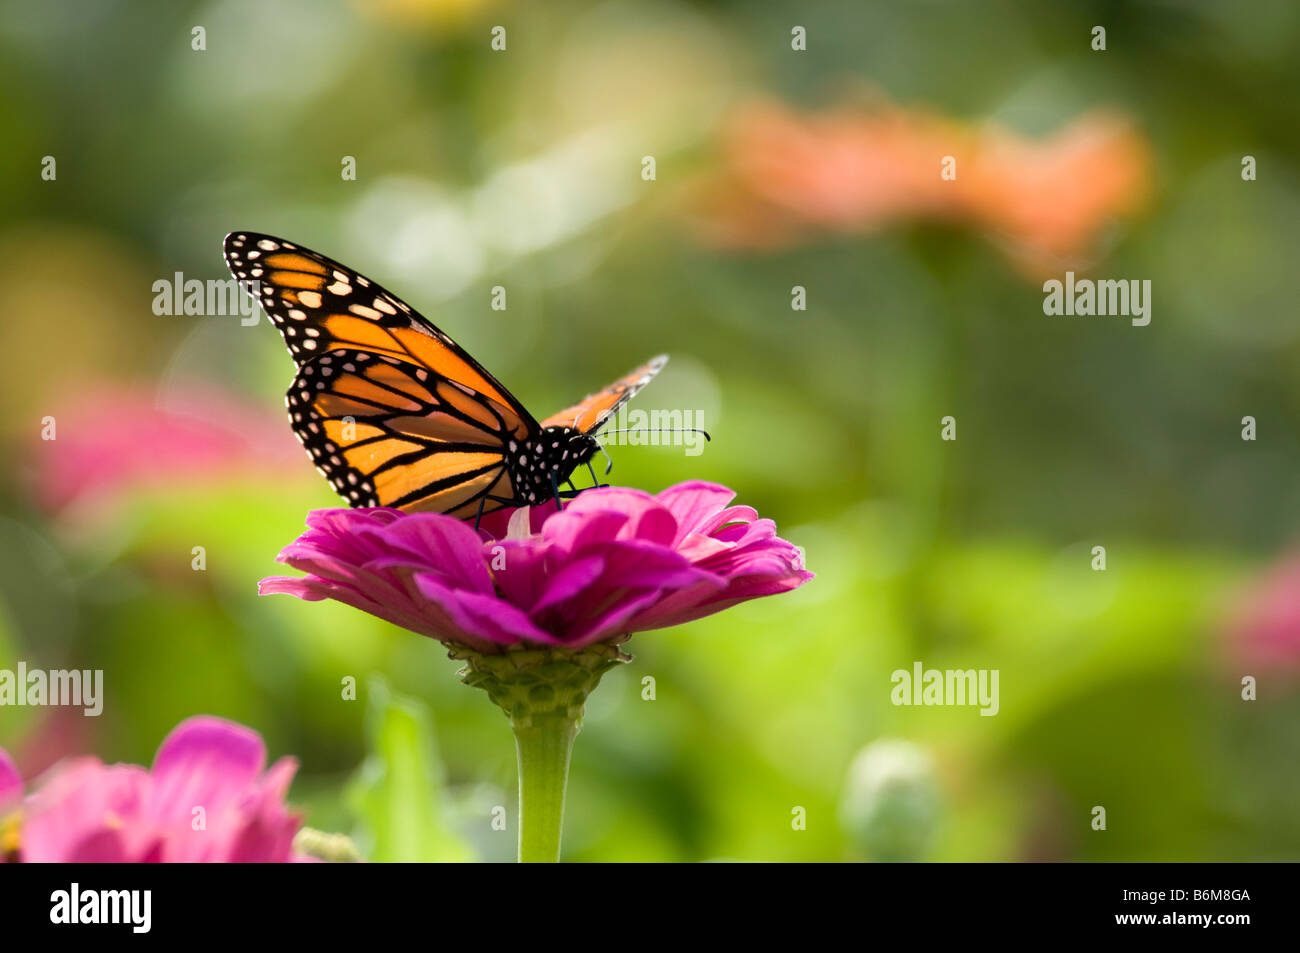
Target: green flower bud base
{"points": [[542, 692]]}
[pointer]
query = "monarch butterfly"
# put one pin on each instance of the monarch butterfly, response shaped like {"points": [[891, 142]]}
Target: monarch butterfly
{"points": [[392, 411]]}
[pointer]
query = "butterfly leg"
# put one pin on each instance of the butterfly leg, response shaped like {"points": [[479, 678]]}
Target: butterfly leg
{"points": [[478, 518], [595, 480], [555, 488]]}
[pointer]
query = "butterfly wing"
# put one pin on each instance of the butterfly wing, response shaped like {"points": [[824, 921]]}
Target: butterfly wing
{"points": [[390, 409], [386, 432], [594, 409], [319, 305]]}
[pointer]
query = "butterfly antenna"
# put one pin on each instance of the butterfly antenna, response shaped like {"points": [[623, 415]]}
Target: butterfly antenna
{"points": [[658, 430]]}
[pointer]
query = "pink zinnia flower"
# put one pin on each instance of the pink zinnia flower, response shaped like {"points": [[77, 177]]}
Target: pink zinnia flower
{"points": [[207, 799], [537, 600], [613, 562]]}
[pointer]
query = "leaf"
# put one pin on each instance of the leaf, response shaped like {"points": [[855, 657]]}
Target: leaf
{"points": [[399, 794]]}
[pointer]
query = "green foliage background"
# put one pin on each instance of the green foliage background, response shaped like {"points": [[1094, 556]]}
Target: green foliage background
{"points": [[522, 169]]}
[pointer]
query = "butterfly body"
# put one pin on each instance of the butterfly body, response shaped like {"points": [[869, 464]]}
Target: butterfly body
{"points": [[537, 466], [392, 411]]}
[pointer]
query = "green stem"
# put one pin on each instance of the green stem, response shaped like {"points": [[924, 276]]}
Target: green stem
{"points": [[542, 691], [544, 747]]}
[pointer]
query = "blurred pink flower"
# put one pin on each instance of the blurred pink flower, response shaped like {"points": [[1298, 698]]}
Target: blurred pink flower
{"points": [[784, 176], [207, 799], [11, 785], [1263, 632], [115, 439], [613, 562]]}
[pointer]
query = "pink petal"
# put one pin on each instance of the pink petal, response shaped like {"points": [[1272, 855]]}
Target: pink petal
{"points": [[573, 530], [692, 504], [11, 784], [76, 799], [482, 616], [441, 542], [569, 582], [205, 762], [102, 846]]}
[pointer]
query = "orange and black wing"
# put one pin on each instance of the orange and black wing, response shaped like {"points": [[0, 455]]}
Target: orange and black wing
{"points": [[319, 305], [386, 432], [390, 409], [594, 409]]}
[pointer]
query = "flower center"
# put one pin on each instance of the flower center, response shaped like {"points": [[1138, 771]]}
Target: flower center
{"points": [[10, 826]]}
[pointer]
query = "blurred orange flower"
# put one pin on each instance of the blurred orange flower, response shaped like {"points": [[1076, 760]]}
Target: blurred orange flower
{"points": [[786, 176]]}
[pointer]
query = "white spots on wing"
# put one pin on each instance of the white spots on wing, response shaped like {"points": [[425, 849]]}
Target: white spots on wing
{"points": [[267, 245], [297, 314], [311, 299], [362, 311], [384, 306], [342, 289]]}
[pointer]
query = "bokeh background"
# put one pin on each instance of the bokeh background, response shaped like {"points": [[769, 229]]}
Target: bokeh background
{"points": [[775, 168]]}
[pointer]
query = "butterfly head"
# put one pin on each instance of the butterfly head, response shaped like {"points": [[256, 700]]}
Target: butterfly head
{"points": [[538, 465], [565, 448]]}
